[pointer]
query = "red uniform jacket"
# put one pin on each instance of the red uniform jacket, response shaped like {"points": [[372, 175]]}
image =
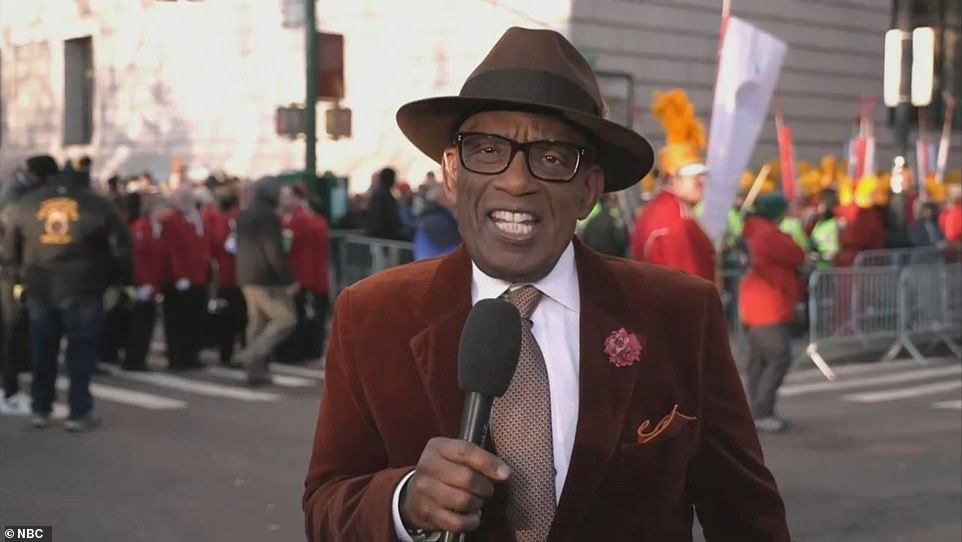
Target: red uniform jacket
{"points": [[218, 228], [667, 234], [770, 289], [951, 223], [307, 257], [863, 230], [187, 251], [392, 384], [148, 256]]}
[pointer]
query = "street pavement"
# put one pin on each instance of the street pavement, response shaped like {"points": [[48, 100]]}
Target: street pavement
{"points": [[874, 456]]}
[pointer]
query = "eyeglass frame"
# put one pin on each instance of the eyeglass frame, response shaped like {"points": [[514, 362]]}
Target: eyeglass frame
{"points": [[584, 153]]}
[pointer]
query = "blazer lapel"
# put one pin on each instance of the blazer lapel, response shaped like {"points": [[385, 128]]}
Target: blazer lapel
{"points": [[605, 390], [447, 302]]}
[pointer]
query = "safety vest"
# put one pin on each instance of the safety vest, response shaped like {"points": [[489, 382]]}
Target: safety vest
{"points": [[793, 227], [825, 239]]}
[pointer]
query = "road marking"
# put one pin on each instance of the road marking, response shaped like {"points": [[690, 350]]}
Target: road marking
{"points": [[949, 405], [280, 380], [895, 378], [120, 395], [193, 386], [317, 374], [903, 393], [809, 375], [60, 411]]}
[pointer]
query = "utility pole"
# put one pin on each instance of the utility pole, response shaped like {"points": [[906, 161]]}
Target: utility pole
{"points": [[903, 111], [310, 96]]}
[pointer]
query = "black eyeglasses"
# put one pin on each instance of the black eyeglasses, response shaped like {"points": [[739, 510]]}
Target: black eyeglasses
{"points": [[487, 154]]}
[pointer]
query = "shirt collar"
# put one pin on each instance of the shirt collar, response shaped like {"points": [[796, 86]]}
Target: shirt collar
{"points": [[561, 284]]}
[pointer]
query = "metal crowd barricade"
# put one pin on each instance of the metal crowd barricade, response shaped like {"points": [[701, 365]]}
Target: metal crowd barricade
{"points": [[930, 309], [357, 256], [851, 309], [900, 257]]}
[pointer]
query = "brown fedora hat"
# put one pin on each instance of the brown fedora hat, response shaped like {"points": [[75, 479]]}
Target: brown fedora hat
{"points": [[535, 71]]}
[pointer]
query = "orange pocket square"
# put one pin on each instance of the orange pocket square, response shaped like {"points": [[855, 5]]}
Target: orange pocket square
{"points": [[672, 419]]}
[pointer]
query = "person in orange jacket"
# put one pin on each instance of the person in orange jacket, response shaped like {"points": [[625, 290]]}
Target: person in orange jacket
{"points": [[667, 233], [766, 301], [951, 218]]}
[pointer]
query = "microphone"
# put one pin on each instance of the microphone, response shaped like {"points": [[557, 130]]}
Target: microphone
{"points": [[487, 357]]}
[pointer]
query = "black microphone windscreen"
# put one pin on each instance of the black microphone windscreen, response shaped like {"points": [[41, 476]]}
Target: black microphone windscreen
{"points": [[489, 347]]}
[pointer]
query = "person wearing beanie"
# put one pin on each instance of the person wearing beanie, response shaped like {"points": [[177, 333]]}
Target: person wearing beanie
{"points": [[767, 299], [667, 232]]}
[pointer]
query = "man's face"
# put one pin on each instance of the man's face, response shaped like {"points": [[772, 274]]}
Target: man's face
{"points": [[689, 188], [516, 226]]}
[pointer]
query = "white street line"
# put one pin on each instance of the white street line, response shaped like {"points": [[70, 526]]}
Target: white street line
{"points": [[280, 380], [903, 393], [949, 405], [120, 395], [809, 375], [193, 386], [60, 411], [317, 374], [895, 378]]}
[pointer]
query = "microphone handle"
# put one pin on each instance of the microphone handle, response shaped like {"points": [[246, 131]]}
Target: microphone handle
{"points": [[474, 429]]}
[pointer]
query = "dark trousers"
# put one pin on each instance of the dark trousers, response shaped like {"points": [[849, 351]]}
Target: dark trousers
{"points": [[769, 362], [230, 324], [82, 321], [140, 331], [114, 335], [15, 352], [308, 338], [184, 314]]}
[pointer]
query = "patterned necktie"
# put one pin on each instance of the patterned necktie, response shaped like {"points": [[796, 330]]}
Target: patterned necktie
{"points": [[521, 431]]}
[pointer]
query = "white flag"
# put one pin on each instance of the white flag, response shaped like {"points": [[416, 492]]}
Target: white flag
{"points": [[748, 69]]}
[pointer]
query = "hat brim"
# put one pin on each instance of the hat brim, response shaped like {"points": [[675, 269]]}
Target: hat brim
{"points": [[624, 155]]}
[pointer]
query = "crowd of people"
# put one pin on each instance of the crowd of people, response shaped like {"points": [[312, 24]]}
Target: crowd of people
{"points": [[226, 263]]}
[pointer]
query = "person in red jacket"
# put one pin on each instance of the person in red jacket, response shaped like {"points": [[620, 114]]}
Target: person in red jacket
{"points": [[228, 311], [187, 253], [767, 298], [149, 279], [666, 233], [950, 221]]}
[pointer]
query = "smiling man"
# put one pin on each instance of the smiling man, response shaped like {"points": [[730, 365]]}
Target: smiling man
{"points": [[625, 415]]}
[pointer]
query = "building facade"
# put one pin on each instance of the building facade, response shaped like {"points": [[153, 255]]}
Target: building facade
{"points": [[136, 83]]}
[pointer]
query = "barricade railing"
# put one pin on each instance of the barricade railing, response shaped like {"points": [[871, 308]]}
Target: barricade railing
{"points": [[356, 256], [902, 257], [930, 309], [884, 309]]}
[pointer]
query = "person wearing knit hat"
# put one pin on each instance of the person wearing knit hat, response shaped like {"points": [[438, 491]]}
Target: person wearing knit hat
{"points": [[767, 299], [667, 233]]}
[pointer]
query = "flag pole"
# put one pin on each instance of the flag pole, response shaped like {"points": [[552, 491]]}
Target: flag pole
{"points": [[720, 248], [943, 156]]}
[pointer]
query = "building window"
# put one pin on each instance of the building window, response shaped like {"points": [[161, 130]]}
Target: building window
{"points": [[78, 91]]}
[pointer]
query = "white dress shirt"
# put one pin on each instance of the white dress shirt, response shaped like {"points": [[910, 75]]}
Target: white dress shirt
{"points": [[556, 327]]}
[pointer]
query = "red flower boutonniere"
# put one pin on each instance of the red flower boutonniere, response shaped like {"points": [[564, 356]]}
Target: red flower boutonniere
{"points": [[623, 348]]}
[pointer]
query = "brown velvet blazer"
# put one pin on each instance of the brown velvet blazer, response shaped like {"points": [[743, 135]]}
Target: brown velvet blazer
{"points": [[392, 385]]}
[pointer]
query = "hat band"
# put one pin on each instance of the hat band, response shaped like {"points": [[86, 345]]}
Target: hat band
{"points": [[539, 88]]}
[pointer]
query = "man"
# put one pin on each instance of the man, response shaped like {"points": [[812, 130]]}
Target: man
{"points": [[227, 310], [767, 298], [68, 246], [15, 354], [150, 277], [384, 212], [302, 254], [187, 255], [265, 279], [950, 221], [590, 444], [667, 232]]}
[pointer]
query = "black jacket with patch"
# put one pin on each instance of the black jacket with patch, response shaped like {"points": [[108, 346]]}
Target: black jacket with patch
{"points": [[64, 242]]}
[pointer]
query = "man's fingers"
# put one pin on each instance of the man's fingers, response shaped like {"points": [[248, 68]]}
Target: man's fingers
{"points": [[479, 459], [456, 499]]}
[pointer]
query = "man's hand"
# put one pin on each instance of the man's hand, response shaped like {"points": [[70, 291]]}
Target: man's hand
{"points": [[450, 483], [293, 289], [182, 284]]}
